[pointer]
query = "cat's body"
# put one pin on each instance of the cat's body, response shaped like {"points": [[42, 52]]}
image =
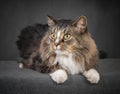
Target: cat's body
{"points": [[66, 48]]}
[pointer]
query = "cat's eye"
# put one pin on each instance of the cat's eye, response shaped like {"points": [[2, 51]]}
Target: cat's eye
{"points": [[53, 36], [67, 36]]}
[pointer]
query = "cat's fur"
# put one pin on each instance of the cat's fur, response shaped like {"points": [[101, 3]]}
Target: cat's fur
{"points": [[60, 48]]}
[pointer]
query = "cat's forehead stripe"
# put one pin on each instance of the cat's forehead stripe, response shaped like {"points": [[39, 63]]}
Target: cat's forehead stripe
{"points": [[59, 33], [58, 36]]}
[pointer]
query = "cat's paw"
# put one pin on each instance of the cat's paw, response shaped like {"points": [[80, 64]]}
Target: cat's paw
{"points": [[92, 75], [59, 76], [21, 65]]}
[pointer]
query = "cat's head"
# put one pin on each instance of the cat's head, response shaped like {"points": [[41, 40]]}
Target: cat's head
{"points": [[66, 35]]}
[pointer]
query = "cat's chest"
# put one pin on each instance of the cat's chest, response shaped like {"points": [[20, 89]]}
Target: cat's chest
{"points": [[67, 62]]}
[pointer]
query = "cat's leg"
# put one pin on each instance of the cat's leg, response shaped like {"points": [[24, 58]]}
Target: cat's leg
{"points": [[26, 63], [21, 65], [59, 76], [92, 75]]}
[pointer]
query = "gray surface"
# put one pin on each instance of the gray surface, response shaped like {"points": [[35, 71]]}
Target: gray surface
{"points": [[24, 81]]}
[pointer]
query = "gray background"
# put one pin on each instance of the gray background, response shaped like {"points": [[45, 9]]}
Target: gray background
{"points": [[103, 21]]}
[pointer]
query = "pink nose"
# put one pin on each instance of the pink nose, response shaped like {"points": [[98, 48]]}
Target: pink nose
{"points": [[56, 44]]}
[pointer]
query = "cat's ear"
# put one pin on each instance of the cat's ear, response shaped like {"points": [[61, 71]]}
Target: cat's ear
{"points": [[80, 24], [50, 21]]}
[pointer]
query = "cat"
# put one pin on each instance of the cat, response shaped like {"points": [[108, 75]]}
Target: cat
{"points": [[61, 48]]}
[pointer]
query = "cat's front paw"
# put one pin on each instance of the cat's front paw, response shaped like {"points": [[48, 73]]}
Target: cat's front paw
{"points": [[59, 76], [92, 75]]}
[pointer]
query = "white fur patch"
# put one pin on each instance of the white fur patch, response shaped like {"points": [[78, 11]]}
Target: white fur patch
{"points": [[66, 60], [92, 75], [58, 37], [20, 65], [59, 76]]}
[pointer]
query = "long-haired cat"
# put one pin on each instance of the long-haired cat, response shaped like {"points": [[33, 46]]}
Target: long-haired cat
{"points": [[60, 48]]}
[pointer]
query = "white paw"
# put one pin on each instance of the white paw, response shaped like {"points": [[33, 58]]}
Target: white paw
{"points": [[92, 75], [21, 65], [59, 76]]}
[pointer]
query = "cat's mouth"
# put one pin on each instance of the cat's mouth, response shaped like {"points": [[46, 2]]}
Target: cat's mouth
{"points": [[58, 51], [57, 47]]}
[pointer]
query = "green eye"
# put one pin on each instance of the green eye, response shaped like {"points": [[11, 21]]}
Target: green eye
{"points": [[67, 36], [53, 36]]}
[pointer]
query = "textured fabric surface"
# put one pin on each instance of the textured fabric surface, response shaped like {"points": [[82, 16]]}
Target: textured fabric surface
{"points": [[25, 81]]}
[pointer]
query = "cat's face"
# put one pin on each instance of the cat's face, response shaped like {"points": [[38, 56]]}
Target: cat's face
{"points": [[61, 38], [65, 35]]}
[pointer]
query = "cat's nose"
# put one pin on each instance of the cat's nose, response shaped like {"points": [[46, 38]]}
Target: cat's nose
{"points": [[56, 44]]}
